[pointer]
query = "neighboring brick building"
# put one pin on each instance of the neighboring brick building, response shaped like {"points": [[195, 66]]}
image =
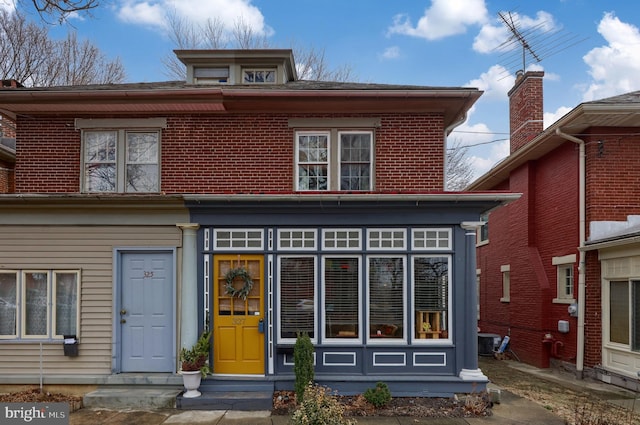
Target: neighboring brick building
{"points": [[531, 284], [143, 204]]}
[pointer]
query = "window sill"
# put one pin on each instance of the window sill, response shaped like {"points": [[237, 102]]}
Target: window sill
{"points": [[482, 243], [564, 301], [505, 300]]}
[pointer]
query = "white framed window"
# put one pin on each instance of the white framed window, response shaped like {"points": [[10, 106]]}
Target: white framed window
{"points": [[297, 239], [238, 239], [386, 295], [9, 300], [386, 239], [564, 278], [506, 283], [39, 304], [298, 303], [334, 160], [478, 292], [341, 304], [623, 321], [259, 75], [431, 299], [482, 235], [121, 161], [312, 161], [342, 239], [431, 239], [355, 160], [211, 75]]}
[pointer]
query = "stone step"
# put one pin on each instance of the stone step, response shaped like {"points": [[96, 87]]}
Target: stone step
{"points": [[136, 397], [228, 400]]}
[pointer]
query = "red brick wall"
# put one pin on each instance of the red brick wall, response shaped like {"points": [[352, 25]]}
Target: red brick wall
{"points": [[613, 174], [525, 109], [526, 234], [235, 154], [593, 311], [47, 156], [6, 177]]}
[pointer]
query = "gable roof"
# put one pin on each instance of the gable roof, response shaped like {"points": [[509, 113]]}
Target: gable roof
{"points": [[616, 111]]}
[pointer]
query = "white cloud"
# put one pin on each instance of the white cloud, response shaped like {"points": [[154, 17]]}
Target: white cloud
{"points": [[8, 5], [615, 67], [549, 118], [444, 18], [153, 12], [392, 52], [496, 153], [495, 83]]}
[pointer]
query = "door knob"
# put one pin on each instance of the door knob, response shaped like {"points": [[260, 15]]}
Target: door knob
{"points": [[123, 312], [123, 320]]}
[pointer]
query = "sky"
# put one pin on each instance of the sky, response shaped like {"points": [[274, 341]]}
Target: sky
{"points": [[588, 49]]}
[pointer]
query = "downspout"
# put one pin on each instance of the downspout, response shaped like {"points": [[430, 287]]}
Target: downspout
{"points": [[581, 263]]}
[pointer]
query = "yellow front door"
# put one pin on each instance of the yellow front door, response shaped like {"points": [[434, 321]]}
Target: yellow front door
{"points": [[238, 302]]}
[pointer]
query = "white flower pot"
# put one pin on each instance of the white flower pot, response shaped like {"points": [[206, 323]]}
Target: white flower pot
{"points": [[191, 381]]}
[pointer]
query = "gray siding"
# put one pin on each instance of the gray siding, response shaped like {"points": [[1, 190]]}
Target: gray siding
{"points": [[90, 249]]}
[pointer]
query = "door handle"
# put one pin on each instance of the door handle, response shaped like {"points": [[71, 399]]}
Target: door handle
{"points": [[123, 320], [261, 326], [123, 312]]}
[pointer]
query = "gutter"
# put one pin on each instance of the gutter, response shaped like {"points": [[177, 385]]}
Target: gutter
{"points": [[581, 262]]}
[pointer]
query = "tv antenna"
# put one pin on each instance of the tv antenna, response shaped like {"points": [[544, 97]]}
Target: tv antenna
{"points": [[537, 42]]}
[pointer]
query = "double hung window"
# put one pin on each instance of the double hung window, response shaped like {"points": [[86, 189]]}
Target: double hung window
{"points": [[334, 160], [121, 161], [39, 304]]}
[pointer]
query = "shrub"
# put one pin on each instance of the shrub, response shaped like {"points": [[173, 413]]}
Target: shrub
{"points": [[303, 364], [378, 396], [319, 407]]}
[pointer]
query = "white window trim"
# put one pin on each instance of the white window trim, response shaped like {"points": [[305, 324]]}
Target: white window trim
{"points": [[431, 229], [439, 341], [234, 248], [18, 318], [348, 248], [564, 260], [389, 341], [334, 160], [297, 156], [382, 248], [287, 341], [338, 166], [121, 156], [323, 305], [54, 284], [21, 310], [303, 248], [505, 270]]}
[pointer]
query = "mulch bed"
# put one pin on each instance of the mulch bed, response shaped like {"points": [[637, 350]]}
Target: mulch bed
{"points": [[34, 395], [419, 407]]}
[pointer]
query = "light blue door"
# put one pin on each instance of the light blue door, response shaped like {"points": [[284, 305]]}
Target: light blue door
{"points": [[146, 312]]}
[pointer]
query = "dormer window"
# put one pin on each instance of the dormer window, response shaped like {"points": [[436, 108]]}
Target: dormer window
{"points": [[259, 76], [219, 75]]}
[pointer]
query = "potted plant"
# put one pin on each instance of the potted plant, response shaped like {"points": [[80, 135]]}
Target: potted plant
{"points": [[194, 364]]}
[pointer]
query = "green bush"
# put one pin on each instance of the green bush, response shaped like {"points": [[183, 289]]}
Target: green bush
{"points": [[319, 408], [378, 396], [303, 364]]}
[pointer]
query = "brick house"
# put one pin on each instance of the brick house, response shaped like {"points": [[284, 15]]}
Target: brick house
{"points": [[556, 267], [137, 207]]}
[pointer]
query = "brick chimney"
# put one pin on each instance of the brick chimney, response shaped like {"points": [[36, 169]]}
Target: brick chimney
{"points": [[525, 108]]}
